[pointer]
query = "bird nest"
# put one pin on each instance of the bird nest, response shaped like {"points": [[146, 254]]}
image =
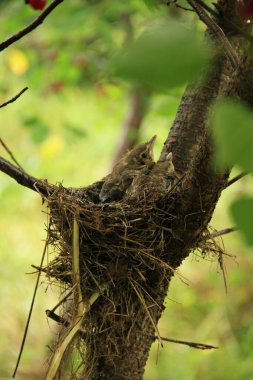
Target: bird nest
{"points": [[116, 239], [126, 256]]}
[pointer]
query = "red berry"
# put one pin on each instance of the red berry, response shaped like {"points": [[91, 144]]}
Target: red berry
{"points": [[37, 4], [57, 86], [244, 9]]}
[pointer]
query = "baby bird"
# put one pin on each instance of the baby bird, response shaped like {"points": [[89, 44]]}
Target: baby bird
{"points": [[163, 174], [154, 182], [123, 173]]}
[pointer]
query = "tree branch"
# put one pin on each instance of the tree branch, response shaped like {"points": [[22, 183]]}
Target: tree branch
{"points": [[236, 178], [217, 31], [11, 154], [14, 98], [220, 233], [30, 311], [24, 179], [207, 8], [39, 20], [190, 142], [200, 346]]}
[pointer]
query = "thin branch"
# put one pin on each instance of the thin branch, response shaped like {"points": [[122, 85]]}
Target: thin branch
{"points": [[207, 8], [236, 178], [39, 20], [57, 318], [220, 233], [75, 327], [30, 312], [183, 8], [63, 299], [25, 179], [11, 154], [14, 98], [62, 321], [200, 346], [174, 2], [37, 269], [218, 32]]}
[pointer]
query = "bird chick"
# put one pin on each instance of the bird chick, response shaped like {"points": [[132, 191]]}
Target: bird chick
{"points": [[152, 183], [163, 174], [121, 177]]}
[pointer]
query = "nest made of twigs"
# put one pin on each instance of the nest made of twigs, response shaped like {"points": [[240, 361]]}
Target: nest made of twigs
{"points": [[125, 255]]}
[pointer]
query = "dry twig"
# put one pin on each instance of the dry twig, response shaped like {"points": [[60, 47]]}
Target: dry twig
{"points": [[39, 20], [30, 311], [24, 179], [11, 154], [200, 346], [14, 98], [220, 233], [236, 178]]}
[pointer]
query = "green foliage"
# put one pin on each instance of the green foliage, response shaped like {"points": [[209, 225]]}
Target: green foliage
{"points": [[165, 56], [39, 130], [233, 137], [242, 212], [233, 134]]}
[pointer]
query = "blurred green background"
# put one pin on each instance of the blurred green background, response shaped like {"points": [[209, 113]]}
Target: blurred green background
{"points": [[66, 128]]}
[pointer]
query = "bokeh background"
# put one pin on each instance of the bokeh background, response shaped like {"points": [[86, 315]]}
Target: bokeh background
{"points": [[67, 128]]}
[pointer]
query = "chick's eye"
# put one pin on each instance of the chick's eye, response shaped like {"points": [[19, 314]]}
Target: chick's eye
{"points": [[144, 155]]}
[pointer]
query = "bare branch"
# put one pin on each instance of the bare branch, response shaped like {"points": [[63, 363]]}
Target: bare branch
{"points": [[30, 311], [11, 154], [200, 346], [236, 178], [23, 178], [218, 32], [207, 8], [14, 98], [57, 318], [39, 20], [220, 233]]}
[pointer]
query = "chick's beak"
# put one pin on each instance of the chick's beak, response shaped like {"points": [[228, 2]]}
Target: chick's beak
{"points": [[150, 145]]}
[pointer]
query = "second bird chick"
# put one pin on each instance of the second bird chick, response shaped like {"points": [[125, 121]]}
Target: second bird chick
{"points": [[155, 182], [123, 173]]}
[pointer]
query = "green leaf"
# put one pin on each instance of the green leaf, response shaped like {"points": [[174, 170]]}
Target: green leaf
{"points": [[232, 128], [242, 212], [38, 129], [75, 131], [166, 56]]}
